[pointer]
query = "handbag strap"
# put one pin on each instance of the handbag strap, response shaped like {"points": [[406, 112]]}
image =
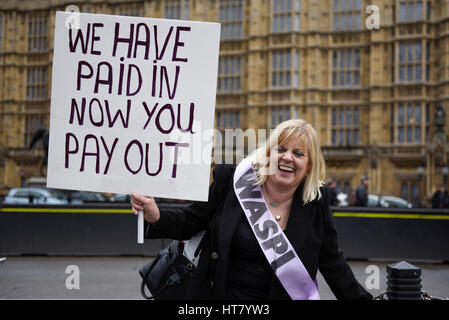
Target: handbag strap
{"points": [[144, 280], [207, 232]]}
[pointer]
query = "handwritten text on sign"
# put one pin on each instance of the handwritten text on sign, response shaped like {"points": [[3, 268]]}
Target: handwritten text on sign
{"points": [[129, 97]]}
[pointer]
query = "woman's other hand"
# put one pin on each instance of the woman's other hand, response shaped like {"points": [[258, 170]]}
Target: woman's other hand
{"points": [[147, 205]]}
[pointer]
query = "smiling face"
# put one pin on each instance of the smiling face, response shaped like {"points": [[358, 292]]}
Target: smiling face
{"points": [[291, 156], [289, 163]]}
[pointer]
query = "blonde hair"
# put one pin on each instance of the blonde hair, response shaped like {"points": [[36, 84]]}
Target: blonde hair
{"points": [[293, 129]]}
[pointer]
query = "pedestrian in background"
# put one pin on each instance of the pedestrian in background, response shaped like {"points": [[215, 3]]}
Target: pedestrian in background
{"points": [[332, 185], [440, 198], [362, 192]]}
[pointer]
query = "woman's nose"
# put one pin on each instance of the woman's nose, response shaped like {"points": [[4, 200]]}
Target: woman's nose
{"points": [[287, 156]]}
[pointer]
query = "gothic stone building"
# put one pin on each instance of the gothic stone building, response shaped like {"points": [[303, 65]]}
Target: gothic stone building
{"points": [[372, 76]]}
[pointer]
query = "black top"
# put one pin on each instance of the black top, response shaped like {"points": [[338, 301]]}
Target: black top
{"points": [[249, 275]]}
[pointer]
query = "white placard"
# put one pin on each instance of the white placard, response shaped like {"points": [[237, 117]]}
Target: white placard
{"points": [[132, 105]]}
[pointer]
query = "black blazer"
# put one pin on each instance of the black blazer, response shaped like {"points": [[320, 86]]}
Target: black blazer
{"points": [[310, 230]]}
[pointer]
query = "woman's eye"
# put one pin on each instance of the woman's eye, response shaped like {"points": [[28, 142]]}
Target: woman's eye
{"points": [[299, 154], [280, 149]]}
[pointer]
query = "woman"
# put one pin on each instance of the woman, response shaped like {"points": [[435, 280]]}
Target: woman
{"points": [[242, 258]]}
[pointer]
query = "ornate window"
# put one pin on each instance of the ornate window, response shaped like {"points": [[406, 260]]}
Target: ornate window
{"points": [[411, 10], [411, 61], [36, 83], [285, 15], [410, 123], [346, 68], [346, 15], [343, 186], [281, 114], [226, 120], [410, 191], [129, 10], [38, 33], [229, 74], [231, 18], [177, 9], [32, 124], [285, 69], [88, 9], [345, 126], [229, 119]]}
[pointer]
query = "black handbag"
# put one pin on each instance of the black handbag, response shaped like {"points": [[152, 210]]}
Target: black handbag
{"points": [[166, 277]]}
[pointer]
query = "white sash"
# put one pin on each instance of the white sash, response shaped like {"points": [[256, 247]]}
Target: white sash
{"points": [[275, 245]]}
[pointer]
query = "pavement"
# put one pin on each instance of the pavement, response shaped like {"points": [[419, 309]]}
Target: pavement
{"points": [[42, 277]]}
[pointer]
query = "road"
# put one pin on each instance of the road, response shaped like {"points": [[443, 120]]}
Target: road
{"points": [[117, 277]]}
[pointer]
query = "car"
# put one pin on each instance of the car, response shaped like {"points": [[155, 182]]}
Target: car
{"points": [[395, 202], [373, 201], [35, 195], [376, 201], [118, 197], [127, 198], [87, 196]]}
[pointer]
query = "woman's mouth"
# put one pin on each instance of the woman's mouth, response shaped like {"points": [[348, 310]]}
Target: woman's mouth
{"points": [[285, 168]]}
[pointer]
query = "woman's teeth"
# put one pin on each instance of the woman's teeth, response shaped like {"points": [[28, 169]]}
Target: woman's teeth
{"points": [[284, 168]]}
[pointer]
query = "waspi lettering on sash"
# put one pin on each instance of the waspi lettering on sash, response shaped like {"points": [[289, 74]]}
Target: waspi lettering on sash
{"points": [[275, 245]]}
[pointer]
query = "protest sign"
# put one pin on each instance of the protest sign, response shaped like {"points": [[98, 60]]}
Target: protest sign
{"points": [[132, 105]]}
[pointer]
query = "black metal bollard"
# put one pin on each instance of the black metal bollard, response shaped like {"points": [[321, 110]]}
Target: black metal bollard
{"points": [[403, 282]]}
